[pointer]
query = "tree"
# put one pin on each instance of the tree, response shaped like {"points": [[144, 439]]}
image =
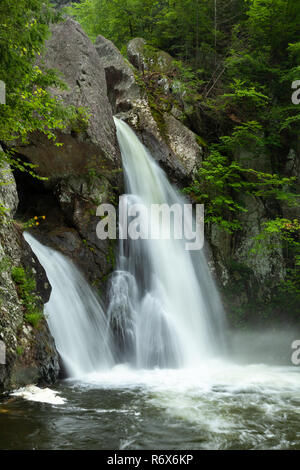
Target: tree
{"points": [[29, 106]]}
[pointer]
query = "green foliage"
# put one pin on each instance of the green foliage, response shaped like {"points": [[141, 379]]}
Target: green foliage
{"points": [[222, 183], [34, 318], [20, 350], [27, 291], [184, 28], [29, 106], [215, 182], [282, 232], [5, 264]]}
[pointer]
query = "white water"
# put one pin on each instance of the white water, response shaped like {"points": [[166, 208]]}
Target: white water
{"points": [[164, 308], [74, 314], [217, 405], [41, 395]]}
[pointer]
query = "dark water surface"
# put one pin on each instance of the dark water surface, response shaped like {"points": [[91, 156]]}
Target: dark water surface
{"points": [[219, 407]]}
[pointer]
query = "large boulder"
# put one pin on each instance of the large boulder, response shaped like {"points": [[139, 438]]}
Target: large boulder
{"points": [[71, 52], [8, 189], [85, 171], [144, 57], [121, 84], [171, 143]]}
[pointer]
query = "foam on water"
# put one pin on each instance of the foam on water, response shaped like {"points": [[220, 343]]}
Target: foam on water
{"points": [[225, 402], [41, 395]]}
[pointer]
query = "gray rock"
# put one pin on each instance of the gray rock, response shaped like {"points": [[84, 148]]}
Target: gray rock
{"points": [[121, 85], [31, 356], [171, 143], [144, 57], [135, 53], [183, 144], [71, 52], [268, 263], [82, 173], [8, 190]]}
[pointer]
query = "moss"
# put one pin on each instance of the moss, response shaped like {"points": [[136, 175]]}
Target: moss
{"points": [[111, 254], [200, 141], [26, 287], [33, 318], [20, 350], [5, 264], [157, 115]]}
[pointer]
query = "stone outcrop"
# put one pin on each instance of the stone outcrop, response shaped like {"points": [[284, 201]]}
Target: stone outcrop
{"points": [[171, 143], [31, 356], [122, 88], [85, 170], [71, 52], [143, 57]]}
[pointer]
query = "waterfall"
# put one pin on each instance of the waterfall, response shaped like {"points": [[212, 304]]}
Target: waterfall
{"points": [[74, 314], [164, 308]]}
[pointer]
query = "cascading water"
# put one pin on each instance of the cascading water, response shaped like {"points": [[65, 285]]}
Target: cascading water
{"points": [[74, 314], [164, 311], [164, 308]]}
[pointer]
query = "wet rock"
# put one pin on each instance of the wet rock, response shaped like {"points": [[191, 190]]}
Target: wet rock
{"points": [[171, 143], [31, 355]]}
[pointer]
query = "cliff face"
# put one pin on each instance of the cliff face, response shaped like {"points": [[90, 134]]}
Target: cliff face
{"points": [[85, 170], [30, 352]]}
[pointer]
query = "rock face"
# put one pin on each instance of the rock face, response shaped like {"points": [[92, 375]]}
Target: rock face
{"points": [[121, 84], [135, 52], [84, 171], [171, 143], [72, 53], [31, 356], [144, 57]]}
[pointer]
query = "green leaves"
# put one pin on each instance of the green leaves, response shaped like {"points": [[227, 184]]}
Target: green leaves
{"points": [[221, 184], [26, 286], [29, 105]]}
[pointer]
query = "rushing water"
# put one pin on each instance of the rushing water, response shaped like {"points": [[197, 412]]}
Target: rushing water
{"points": [[217, 406], [164, 304], [146, 374], [74, 314]]}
